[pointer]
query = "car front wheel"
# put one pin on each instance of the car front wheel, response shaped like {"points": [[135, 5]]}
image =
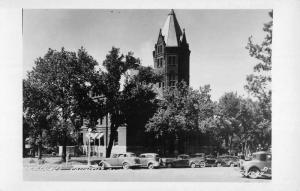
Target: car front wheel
{"points": [[169, 165], [102, 166], [253, 173], [150, 166], [193, 165], [125, 165], [202, 164]]}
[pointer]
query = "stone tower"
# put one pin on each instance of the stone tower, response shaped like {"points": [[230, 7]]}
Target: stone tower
{"points": [[171, 54]]}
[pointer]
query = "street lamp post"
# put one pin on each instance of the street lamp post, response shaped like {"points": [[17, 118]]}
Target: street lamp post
{"points": [[89, 148]]}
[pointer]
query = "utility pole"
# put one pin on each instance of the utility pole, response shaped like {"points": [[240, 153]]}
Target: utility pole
{"points": [[89, 149]]}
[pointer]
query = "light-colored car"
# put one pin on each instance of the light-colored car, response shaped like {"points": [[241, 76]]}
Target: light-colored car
{"points": [[123, 160], [258, 166], [149, 160]]}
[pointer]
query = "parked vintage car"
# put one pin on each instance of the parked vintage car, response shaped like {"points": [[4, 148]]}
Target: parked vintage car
{"points": [[149, 160], [210, 161], [184, 161], [227, 160], [198, 155], [123, 160], [242, 159], [258, 166]]}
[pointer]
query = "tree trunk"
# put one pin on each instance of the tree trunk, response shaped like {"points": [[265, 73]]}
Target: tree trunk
{"points": [[111, 140], [246, 149], [176, 144], [64, 147], [40, 150], [24, 149], [230, 145], [40, 145]]}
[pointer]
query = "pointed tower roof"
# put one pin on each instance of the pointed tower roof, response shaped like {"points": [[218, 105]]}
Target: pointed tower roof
{"points": [[171, 30], [183, 38]]}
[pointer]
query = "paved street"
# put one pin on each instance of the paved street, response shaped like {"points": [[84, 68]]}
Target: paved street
{"points": [[213, 174]]}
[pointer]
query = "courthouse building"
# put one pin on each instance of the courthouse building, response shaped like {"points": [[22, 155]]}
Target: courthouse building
{"points": [[171, 56]]}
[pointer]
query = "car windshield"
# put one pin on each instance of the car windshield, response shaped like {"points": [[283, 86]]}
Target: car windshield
{"points": [[197, 155], [261, 157], [131, 155], [183, 156]]}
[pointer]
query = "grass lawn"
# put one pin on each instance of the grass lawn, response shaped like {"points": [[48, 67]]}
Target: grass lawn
{"points": [[56, 163]]}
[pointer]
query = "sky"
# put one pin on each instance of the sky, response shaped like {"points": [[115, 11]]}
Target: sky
{"points": [[217, 39]]}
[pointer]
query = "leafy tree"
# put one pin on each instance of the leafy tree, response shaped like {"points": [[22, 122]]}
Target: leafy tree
{"points": [[116, 66], [259, 83], [182, 110], [38, 113], [139, 101], [236, 121], [65, 78], [247, 118], [225, 122]]}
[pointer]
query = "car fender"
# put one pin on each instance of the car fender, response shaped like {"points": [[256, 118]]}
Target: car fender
{"points": [[150, 161], [154, 162], [197, 162], [251, 166], [106, 164], [127, 161]]}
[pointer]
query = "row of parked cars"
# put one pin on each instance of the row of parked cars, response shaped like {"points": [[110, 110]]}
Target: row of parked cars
{"points": [[153, 160], [259, 165]]}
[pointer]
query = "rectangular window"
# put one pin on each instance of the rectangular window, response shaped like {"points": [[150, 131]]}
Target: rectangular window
{"points": [[172, 80], [116, 141], [171, 60], [159, 49], [159, 62], [80, 139], [97, 142], [172, 77], [172, 83], [102, 141]]}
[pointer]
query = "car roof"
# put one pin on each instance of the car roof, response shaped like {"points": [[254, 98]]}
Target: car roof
{"points": [[122, 153], [226, 156], [198, 154], [149, 154]]}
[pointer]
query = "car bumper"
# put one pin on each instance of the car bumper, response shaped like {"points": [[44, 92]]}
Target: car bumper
{"points": [[135, 165]]}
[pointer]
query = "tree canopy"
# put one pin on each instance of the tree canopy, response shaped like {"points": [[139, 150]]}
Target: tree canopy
{"points": [[62, 81], [181, 110], [259, 83]]}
